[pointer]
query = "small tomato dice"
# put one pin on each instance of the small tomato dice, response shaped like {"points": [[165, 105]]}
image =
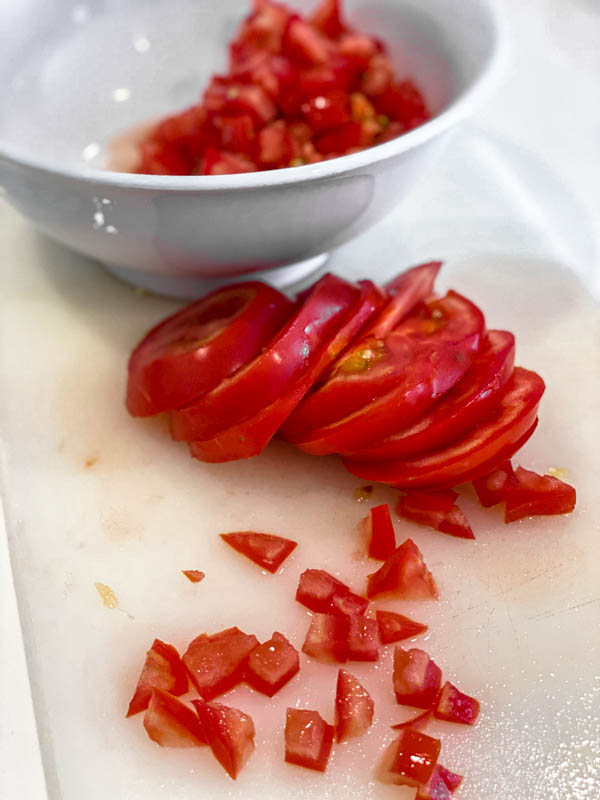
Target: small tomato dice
{"points": [[265, 549], [363, 642], [272, 664], [437, 510], [171, 723], [339, 140], [404, 575], [379, 529], [305, 44], [327, 17], [415, 756], [275, 146], [534, 494], [220, 162], [417, 678], [491, 489], [217, 663], [229, 732], [353, 707], [327, 110], [193, 575], [319, 591], [327, 638], [440, 786], [308, 739], [454, 706], [163, 669], [394, 627]]}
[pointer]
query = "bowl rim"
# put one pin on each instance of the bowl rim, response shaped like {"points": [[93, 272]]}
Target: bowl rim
{"points": [[489, 74]]}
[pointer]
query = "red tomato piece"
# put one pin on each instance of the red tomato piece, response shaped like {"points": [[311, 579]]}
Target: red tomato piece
{"points": [[437, 510], [237, 133], [477, 453], [533, 494], [171, 723], [440, 786], [308, 739], [402, 101], [264, 28], [418, 723], [229, 732], [319, 591], [225, 97], [194, 575], [394, 627], [451, 779], [275, 146], [217, 663], [363, 643], [454, 706], [417, 678], [359, 47], [265, 549], [272, 664], [219, 162], [327, 110], [403, 575], [162, 669], [190, 352], [327, 17], [157, 158], [415, 756], [188, 131], [305, 44], [491, 489], [379, 530], [354, 707], [327, 638], [378, 76], [339, 140], [459, 410]]}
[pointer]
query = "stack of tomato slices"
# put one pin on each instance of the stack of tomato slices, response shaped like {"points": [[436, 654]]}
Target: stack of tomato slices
{"points": [[408, 386], [297, 91]]}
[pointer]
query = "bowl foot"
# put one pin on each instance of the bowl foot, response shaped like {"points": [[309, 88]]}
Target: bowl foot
{"points": [[190, 287]]}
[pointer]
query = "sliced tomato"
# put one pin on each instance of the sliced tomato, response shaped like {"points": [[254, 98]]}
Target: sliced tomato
{"points": [[327, 17], [229, 732], [440, 786], [491, 489], [327, 638], [379, 530], [217, 663], [265, 549], [403, 575], [415, 755], [436, 510], [226, 97], [531, 494], [319, 591], [220, 162], [157, 158], [378, 76], [354, 707], [363, 641], [192, 351], [451, 779], [477, 453], [236, 133], [456, 412], [171, 723], [304, 44], [264, 28], [340, 139], [272, 664], [454, 706], [394, 627], [396, 378], [418, 723], [194, 575], [275, 146], [163, 669], [308, 739], [402, 101], [188, 131], [417, 678]]}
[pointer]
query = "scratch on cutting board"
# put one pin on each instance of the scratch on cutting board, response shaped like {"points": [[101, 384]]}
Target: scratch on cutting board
{"points": [[548, 614], [90, 462]]}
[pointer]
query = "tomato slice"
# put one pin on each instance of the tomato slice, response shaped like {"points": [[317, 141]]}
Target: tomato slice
{"points": [[192, 351], [437, 510], [415, 755], [171, 723], [418, 723], [327, 638], [272, 664], [321, 592], [417, 678], [394, 627], [403, 575], [394, 379], [163, 669], [532, 494], [379, 529], [194, 575], [265, 549], [308, 739], [454, 706], [354, 707], [229, 732], [457, 411], [217, 663], [441, 785], [363, 641], [477, 453], [491, 489]]}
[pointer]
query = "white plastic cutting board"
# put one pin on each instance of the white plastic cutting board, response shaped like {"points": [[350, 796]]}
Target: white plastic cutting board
{"points": [[91, 496]]}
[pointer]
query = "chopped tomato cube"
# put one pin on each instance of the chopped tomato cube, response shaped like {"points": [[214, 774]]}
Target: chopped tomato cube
{"points": [[404, 575], [378, 76], [327, 638], [394, 627], [308, 739], [320, 591], [219, 162], [363, 644], [305, 44], [454, 706], [225, 97], [272, 664], [402, 101], [217, 663], [346, 602], [327, 17], [275, 146], [229, 732], [162, 159], [264, 28], [451, 779], [237, 133], [194, 575], [340, 139], [379, 528], [417, 678], [414, 757], [437, 510], [359, 47], [171, 723], [492, 488], [162, 669], [534, 494], [265, 549], [418, 723], [327, 110], [437, 787], [353, 707]]}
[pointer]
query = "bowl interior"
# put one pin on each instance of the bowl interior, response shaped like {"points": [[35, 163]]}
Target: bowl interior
{"points": [[77, 74]]}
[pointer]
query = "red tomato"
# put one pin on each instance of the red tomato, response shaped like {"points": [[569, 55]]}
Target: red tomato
{"points": [[378, 76], [272, 664], [403, 575], [454, 706], [327, 17], [353, 707], [451, 779], [415, 756], [229, 732], [440, 786], [225, 97], [217, 663], [327, 110], [338, 140], [418, 723], [264, 28], [275, 146], [395, 627], [437, 510], [417, 678], [189, 353], [157, 158], [459, 410], [236, 133], [359, 47], [491, 489], [171, 723], [402, 101], [363, 644], [194, 575], [308, 739], [477, 453], [162, 669], [305, 44], [188, 131], [265, 549], [220, 162], [319, 591], [327, 638], [379, 529], [532, 494]]}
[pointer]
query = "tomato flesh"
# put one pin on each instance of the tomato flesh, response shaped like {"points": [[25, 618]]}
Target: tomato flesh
{"points": [[319, 591], [491, 489], [272, 664], [403, 575], [441, 785], [354, 707], [193, 575], [437, 510], [415, 756], [171, 723], [418, 723], [454, 706], [217, 663], [308, 739], [327, 638], [531, 494], [417, 678], [265, 549], [229, 732], [395, 627], [380, 532], [363, 640], [163, 669]]}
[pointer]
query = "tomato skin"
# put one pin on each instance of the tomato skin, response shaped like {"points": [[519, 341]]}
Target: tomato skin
{"points": [[380, 532], [308, 739], [272, 664], [394, 627], [171, 723], [163, 669], [454, 706], [190, 352], [531, 494], [417, 678], [354, 707], [415, 757], [193, 575], [403, 575], [265, 549], [217, 663], [437, 510], [418, 723], [229, 732], [477, 453]]}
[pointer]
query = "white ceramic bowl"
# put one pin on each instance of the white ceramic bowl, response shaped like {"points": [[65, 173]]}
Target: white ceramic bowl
{"points": [[74, 75]]}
